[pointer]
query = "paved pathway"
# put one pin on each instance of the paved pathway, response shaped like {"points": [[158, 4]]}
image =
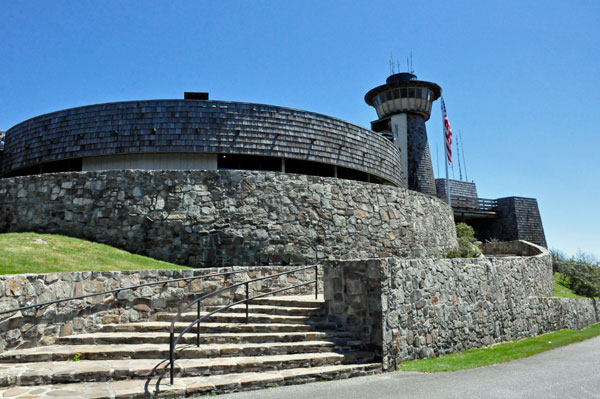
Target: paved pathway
{"points": [[569, 372]]}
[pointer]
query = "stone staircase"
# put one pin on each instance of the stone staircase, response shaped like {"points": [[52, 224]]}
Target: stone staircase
{"points": [[287, 340]]}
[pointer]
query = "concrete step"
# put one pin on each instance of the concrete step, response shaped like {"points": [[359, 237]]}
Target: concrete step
{"points": [[157, 351], [272, 310], [241, 318], [290, 301], [187, 386], [163, 337], [164, 326], [59, 372]]}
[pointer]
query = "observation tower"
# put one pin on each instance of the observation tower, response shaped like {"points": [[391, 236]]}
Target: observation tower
{"points": [[403, 104]]}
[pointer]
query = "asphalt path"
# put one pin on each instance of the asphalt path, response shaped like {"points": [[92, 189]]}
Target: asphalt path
{"points": [[571, 371]]}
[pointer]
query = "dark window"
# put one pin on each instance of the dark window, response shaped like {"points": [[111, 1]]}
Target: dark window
{"points": [[248, 162], [64, 165], [351, 174], [308, 168]]}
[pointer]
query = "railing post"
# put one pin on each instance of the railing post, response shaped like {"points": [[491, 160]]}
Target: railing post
{"points": [[247, 296], [316, 281], [172, 354], [198, 325]]}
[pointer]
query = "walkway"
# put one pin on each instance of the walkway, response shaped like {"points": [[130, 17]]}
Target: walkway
{"points": [[569, 372]]}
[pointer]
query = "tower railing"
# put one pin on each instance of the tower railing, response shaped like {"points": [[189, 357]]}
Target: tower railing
{"points": [[473, 203]]}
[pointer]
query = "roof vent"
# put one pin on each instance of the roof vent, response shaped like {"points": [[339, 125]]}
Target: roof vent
{"points": [[191, 95], [401, 77]]}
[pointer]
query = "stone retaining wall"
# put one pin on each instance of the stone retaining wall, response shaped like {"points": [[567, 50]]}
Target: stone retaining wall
{"points": [[42, 326], [417, 308], [224, 218]]}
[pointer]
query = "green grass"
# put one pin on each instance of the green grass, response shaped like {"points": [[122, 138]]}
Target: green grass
{"points": [[49, 253], [501, 353], [561, 291]]}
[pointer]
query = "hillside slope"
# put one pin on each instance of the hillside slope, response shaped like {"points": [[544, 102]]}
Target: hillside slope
{"points": [[49, 253]]}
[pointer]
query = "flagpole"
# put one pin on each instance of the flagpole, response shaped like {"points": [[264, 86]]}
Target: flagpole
{"points": [[447, 184], [448, 151]]}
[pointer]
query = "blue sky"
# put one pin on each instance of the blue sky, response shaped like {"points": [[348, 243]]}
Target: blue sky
{"points": [[520, 79]]}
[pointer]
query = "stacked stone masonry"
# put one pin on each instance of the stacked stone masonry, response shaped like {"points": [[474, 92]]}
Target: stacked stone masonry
{"points": [[43, 325], [419, 308], [224, 218], [191, 126]]}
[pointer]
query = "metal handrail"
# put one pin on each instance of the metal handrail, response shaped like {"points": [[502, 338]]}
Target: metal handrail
{"points": [[116, 290], [174, 341]]}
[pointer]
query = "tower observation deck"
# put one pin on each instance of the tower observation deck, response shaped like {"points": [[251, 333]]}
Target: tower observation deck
{"points": [[403, 104]]}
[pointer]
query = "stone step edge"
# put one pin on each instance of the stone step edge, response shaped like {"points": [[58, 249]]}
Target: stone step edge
{"points": [[63, 372], [98, 337], [298, 302], [160, 326], [185, 386], [255, 318], [259, 306], [146, 351]]}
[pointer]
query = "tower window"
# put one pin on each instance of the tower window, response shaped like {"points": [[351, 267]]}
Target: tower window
{"points": [[403, 92], [411, 92]]}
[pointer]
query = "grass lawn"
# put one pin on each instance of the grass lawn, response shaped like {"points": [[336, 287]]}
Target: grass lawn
{"points": [[561, 291], [501, 353], [49, 253]]}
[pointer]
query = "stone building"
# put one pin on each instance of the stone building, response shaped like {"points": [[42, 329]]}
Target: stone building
{"points": [[210, 183]]}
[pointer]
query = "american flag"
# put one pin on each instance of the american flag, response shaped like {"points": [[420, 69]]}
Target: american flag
{"points": [[447, 133]]}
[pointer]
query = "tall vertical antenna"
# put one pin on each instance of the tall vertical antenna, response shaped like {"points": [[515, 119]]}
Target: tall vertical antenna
{"points": [[458, 156], [412, 70], [463, 152]]}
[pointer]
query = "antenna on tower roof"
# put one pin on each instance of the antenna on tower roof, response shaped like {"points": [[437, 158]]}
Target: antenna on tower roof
{"points": [[458, 156], [391, 63], [463, 154], [411, 70]]}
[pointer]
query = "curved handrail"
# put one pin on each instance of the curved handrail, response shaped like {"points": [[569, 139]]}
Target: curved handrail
{"points": [[213, 293], [116, 290], [174, 341]]}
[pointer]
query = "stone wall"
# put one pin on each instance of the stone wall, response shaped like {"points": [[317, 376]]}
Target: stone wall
{"points": [[223, 218], [43, 325], [416, 308], [513, 248]]}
